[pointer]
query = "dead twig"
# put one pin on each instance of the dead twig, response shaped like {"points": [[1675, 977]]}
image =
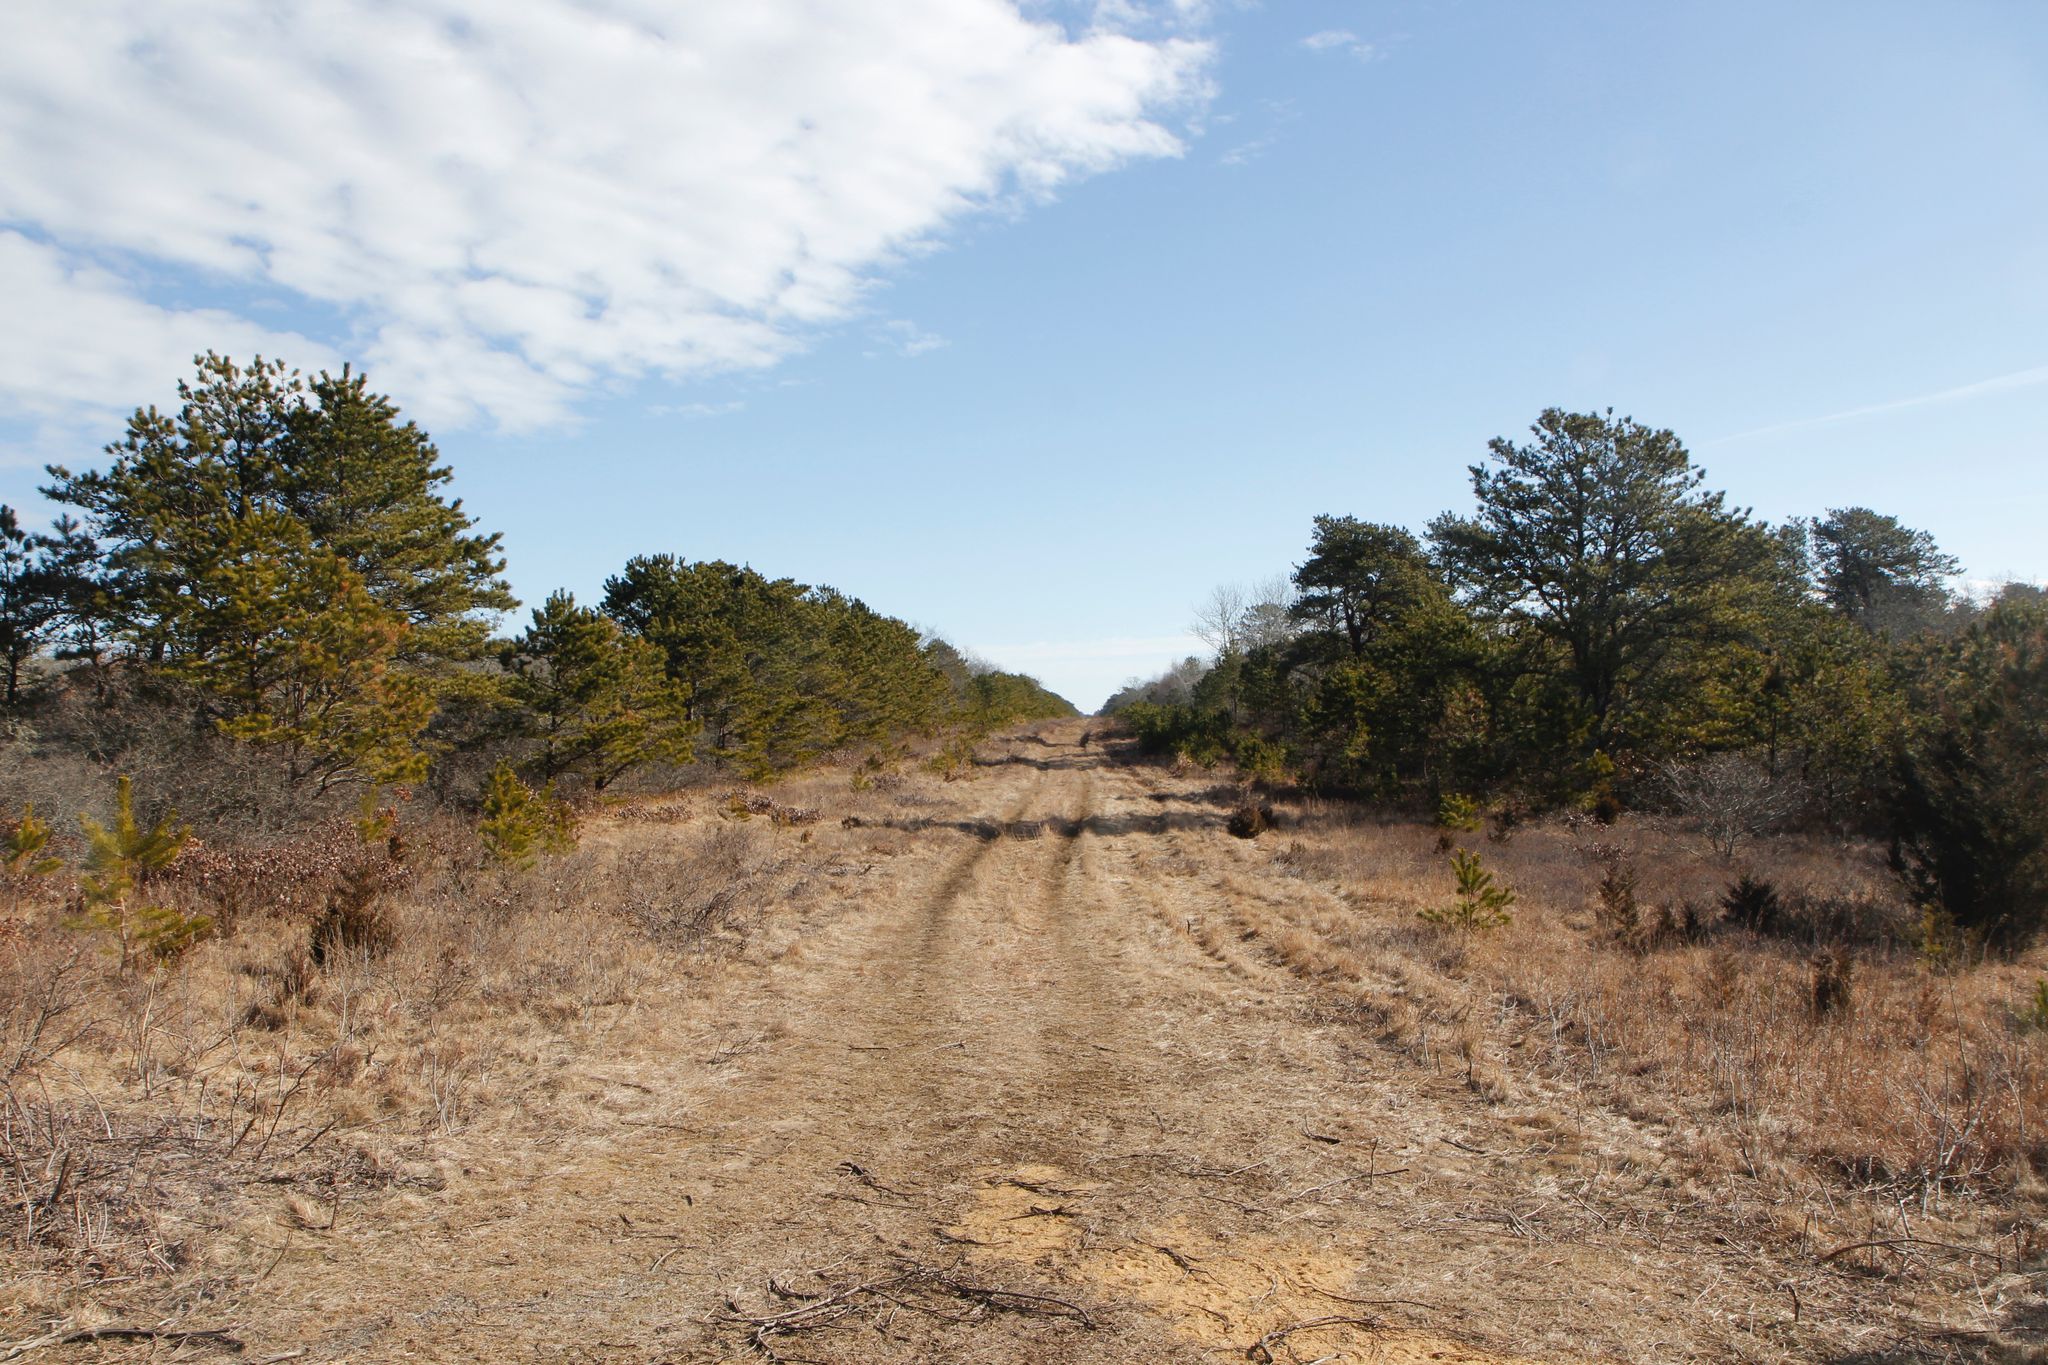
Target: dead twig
{"points": [[954, 1239], [1262, 1349], [1341, 1180], [866, 1177], [629, 1085], [1035, 1186], [1037, 1211], [899, 1291], [1895, 1243], [1186, 1265], [1368, 1303]]}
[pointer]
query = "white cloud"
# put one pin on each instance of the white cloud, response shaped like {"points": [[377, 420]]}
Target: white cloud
{"points": [[513, 205], [1276, 115], [698, 410], [80, 348], [1961, 393], [905, 338], [1340, 40]]}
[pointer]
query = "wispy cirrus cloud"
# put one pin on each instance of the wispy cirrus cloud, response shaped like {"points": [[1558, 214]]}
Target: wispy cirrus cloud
{"points": [[698, 410], [898, 336], [1961, 393], [1343, 41], [502, 209], [1272, 116]]}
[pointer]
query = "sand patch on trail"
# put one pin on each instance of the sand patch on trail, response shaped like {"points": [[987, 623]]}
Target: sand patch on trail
{"points": [[1262, 1298]]}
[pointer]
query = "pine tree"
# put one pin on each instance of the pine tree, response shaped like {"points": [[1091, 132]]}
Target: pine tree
{"points": [[119, 860], [299, 657], [1597, 539], [23, 858], [1969, 806], [28, 605], [81, 595], [596, 698], [518, 823], [367, 487], [1877, 571], [327, 454]]}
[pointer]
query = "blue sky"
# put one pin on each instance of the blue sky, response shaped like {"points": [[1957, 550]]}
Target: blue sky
{"points": [[1032, 326]]}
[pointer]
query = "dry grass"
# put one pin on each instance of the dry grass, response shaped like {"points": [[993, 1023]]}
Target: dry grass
{"points": [[359, 1005], [1583, 1093], [1828, 1063]]}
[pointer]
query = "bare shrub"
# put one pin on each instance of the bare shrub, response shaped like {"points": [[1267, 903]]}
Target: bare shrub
{"points": [[292, 876], [1731, 797], [43, 980]]}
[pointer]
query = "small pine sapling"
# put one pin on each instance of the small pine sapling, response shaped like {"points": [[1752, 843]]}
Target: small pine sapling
{"points": [[2033, 1016], [22, 855], [119, 860], [519, 824], [1480, 905], [1455, 814], [1832, 969], [1620, 914], [1754, 904]]}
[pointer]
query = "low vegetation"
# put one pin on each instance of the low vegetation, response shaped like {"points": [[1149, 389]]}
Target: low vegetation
{"points": [[314, 1013], [293, 847]]}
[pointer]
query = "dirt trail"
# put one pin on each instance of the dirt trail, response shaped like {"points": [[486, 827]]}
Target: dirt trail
{"points": [[1029, 1095]]}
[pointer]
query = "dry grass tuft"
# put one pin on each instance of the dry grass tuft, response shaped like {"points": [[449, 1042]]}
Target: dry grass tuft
{"points": [[1778, 1015]]}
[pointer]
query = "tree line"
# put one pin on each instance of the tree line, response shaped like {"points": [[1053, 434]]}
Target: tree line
{"points": [[1600, 627], [280, 556]]}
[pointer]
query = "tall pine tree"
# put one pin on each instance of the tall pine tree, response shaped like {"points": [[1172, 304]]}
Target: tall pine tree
{"points": [[327, 454], [596, 699]]}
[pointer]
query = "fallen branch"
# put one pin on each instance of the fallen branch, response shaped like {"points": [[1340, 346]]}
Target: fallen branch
{"points": [[1368, 1303], [1262, 1349], [896, 1291], [1342, 1180], [74, 1336], [865, 1177], [1894, 1243]]}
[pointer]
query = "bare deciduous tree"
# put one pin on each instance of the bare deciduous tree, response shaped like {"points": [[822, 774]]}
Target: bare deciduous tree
{"points": [[1237, 617], [1731, 797], [1219, 618]]}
